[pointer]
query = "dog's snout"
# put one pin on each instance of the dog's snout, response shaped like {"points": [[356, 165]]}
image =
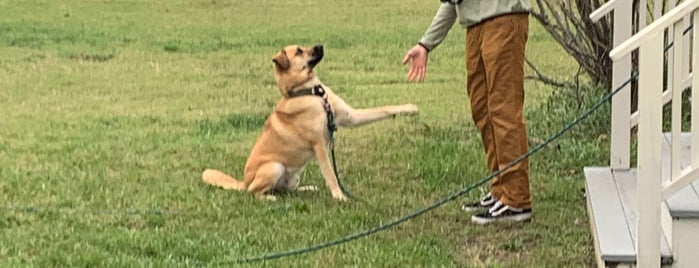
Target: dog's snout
{"points": [[316, 56], [318, 50]]}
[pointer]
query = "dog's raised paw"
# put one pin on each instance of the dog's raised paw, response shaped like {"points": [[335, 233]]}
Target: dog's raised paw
{"points": [[340, 197], [411, 109], [268, 197]]}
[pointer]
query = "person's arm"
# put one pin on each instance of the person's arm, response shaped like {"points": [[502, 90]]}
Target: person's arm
{"points": [[441, 24], [438, 30]]}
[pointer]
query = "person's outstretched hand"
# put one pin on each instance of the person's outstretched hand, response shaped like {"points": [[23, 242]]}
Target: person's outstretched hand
{"points": [[418, 68]]}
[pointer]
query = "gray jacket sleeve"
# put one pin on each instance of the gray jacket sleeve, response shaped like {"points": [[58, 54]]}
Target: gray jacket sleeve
{"points": [[441, 24]]}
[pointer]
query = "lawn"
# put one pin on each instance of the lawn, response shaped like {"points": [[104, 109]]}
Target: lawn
{"points": [[110, 111]]}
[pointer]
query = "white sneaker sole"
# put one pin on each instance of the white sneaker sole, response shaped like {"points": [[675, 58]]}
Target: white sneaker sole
{"points": [[511, 218], [473, 209]]}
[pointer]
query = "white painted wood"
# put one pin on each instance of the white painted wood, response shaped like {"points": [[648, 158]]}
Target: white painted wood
{"points": [[642, 23], [611, 198], [695, 92], [675, 59], [683, 199], [620, 151], [687, 46], [684, 163], [605, 9], [649, 144], [652, 216], [684, 204], [666, 152], [654, 29], [667, 97], [657, 9], [687, 83], [671, 4], [626, 184], [608, 217], [685, 178], [611, 194], [669, 81], [666, 222], [686, 243], [595, 235]]}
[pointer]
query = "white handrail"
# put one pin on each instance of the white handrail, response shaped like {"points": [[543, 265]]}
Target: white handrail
{"points": [[657, 27], [688, 175], [604, 10]]}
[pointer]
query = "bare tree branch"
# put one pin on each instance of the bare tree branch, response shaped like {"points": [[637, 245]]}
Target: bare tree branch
{"points": [[545, 79], [587, 42]]}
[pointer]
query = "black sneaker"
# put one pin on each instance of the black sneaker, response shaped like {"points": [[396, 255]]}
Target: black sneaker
{"points": [[502, 213], [485, 202]]}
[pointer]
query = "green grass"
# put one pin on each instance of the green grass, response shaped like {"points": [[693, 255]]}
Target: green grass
{"points": [[110, 110]]}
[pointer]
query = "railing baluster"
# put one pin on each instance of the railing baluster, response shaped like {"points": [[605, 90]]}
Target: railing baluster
{"points": [[642, 20], [687, 46], [675, 75], [620, 151], [695, 91], [657, 9]]}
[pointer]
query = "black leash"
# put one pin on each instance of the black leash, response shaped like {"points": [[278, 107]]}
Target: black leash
{"points": [[320, 92]]}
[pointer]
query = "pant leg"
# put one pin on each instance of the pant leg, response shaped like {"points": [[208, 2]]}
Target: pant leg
{"points": [[478, 96], [503, 42]]}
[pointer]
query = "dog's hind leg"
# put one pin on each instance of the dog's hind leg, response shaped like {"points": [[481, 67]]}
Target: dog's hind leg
{"points": [[265, 179], [291, 182]]}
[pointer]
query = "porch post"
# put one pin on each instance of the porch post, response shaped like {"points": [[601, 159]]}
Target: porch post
{"points": [[649, 152]]}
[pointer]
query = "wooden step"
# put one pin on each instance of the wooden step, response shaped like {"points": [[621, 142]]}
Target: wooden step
{"points": [[685, 203], [612, 204], [611, 200]]}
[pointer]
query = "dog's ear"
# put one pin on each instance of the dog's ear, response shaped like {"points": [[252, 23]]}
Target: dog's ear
{"points": [[281, 61]]}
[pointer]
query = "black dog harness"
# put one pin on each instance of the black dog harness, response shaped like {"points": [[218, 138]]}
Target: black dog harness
{"points": [[320, 92]]}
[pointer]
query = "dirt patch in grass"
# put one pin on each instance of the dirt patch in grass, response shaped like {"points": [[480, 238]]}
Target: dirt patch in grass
{"points": [[503, 245]]}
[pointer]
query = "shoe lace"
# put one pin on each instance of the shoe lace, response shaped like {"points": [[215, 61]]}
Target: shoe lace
{"points": [[495, 207]]}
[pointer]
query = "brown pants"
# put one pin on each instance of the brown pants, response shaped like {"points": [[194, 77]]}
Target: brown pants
{"points": [[495, 63]]}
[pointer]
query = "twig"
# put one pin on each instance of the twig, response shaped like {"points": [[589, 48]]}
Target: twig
{"points": [[545, 79]]}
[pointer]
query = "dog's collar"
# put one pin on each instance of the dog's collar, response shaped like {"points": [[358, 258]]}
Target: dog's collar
{"points": [[316, 90]]}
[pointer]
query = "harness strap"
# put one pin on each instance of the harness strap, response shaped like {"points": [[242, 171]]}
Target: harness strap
{"points": [[320, 92]]}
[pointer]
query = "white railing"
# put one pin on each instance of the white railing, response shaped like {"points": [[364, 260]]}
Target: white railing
{"points": [[651, 45], [620, 151]]}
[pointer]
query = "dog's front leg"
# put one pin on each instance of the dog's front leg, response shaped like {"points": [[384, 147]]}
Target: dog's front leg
{"points": [[349, 117], [326, 169]]}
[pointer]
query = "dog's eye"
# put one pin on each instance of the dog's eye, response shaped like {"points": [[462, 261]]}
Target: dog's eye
{"points": [[299, 51]]}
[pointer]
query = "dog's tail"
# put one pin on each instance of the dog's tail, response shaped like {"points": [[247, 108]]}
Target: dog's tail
{"points": [[223, 180]]}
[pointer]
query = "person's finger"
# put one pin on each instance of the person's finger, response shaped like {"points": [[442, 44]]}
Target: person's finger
{"points": [[407, 58], [411, 72], [414, 73]]}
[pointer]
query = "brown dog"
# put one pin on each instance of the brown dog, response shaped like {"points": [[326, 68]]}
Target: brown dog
{"points": [[298, 130]]}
